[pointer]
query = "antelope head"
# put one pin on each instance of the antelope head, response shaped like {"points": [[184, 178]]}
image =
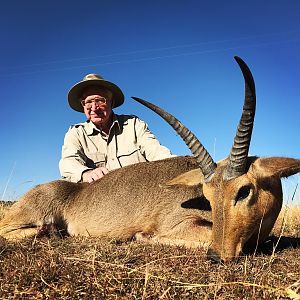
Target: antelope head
{"points": [[244, 192]]}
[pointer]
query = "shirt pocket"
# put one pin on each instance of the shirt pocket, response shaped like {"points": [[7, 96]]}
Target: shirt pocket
{"points": [[95, 159], [130, 156]]}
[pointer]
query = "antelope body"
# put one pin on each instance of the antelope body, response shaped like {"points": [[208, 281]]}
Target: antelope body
{"points": [[189, 201], [132, 206]]}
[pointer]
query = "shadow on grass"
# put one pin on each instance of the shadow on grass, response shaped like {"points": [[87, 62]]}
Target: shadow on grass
{"points": [[276, 244]]}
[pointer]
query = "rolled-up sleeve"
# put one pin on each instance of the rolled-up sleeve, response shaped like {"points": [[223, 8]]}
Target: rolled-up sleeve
{"points": [[150, 147], [72, 163]]}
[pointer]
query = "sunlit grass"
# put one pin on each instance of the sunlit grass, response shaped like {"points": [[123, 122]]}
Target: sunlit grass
{"points": [[91, 268]]}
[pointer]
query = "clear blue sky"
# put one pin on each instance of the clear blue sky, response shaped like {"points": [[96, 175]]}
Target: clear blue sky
{"points": [[177, 54]]}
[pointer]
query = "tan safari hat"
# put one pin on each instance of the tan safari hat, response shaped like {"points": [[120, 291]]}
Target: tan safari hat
{"points": [[75, 93]]}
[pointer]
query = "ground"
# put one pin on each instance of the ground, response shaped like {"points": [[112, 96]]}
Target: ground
{"points": [[90, 268]]}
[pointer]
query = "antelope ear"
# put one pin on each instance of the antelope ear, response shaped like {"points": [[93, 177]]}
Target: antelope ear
{"points": [[190, 178], [276, 166]]}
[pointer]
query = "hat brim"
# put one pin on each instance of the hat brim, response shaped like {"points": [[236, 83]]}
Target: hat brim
{"points": [[75, 93]]}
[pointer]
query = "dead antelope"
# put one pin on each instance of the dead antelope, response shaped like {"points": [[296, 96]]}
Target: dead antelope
{"points": [[190, 201]]}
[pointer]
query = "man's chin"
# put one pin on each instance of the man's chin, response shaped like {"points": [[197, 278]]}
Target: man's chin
{"points": [[97, 121]]}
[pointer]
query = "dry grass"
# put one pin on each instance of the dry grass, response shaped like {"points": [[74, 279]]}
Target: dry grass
{"points": [[289, 219], [89, 268]]}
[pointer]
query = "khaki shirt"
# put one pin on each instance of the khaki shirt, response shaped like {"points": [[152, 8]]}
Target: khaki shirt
{"points": [[129, 141]]}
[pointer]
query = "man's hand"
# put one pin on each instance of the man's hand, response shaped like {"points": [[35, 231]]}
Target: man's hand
{"points": [[93, 175]]}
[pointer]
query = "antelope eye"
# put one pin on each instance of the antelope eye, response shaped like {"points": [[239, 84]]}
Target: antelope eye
{"points": [[243, 193]]}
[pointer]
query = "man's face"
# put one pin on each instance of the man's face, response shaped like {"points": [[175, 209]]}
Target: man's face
{"points": [[98, 106]]}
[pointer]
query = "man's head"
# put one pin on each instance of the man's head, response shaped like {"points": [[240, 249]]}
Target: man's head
{"points": [[97, 103], [93, 80]]}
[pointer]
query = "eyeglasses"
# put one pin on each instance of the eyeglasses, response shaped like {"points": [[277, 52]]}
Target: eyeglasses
{"points": [[88, 103]]}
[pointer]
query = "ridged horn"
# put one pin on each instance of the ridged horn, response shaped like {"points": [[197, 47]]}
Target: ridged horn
{"points": [[239, 153], [203, 158]]}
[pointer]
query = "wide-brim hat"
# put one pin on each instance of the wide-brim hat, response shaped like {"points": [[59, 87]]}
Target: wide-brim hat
{"points": [[75, 93]]}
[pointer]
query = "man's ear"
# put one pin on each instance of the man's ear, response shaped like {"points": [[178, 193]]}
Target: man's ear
{"points": [[190, 178], [275, 166]]}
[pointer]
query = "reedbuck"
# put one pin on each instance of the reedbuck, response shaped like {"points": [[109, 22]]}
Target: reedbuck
{"points": [[190, 201]]}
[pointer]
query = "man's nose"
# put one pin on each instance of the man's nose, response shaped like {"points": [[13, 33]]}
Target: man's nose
{"points": [[95, 105]]}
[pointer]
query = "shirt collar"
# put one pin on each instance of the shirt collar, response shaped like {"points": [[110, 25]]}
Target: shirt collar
{"points": [[91, 128]]}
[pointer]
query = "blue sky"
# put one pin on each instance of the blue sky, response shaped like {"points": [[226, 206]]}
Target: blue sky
{"points": [[177, 54]]}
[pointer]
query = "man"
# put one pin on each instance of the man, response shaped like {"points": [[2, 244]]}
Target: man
{"points": [[106, 141]]}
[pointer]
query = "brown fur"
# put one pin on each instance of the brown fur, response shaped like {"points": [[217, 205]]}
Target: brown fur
{"points": [[121, 205], [163, 201], [245, 208]]}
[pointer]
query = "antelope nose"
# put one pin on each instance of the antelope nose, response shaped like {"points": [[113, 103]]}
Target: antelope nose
{"points": [[213, 256]]}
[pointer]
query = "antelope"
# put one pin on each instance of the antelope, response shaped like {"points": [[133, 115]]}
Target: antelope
{"points": [[192, 201]]}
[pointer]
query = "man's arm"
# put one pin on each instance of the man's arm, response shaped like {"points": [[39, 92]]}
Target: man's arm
{"points": [[149, 144], [73, 160]]}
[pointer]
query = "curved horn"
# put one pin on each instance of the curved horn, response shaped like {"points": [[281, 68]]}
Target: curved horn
{"points": [[205, 161], [239, 152]]}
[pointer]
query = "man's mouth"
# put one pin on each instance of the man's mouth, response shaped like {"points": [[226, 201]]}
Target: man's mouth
{"points": [[98, 114]]}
